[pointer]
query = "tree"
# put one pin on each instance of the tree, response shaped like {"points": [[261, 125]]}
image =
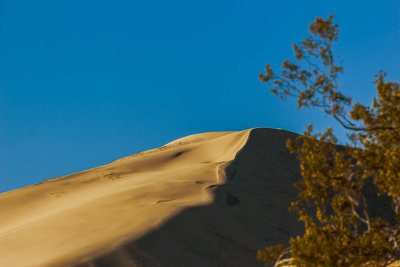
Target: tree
{"points": [[330, 201]]}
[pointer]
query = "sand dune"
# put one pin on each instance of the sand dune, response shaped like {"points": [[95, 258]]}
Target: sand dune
{"points": [[209, 199]]}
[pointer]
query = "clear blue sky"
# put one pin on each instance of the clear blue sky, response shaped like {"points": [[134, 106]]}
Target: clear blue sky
{"points": [[86, 82]]}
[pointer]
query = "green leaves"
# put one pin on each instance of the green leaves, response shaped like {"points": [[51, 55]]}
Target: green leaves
{"points": [[271, 253], [312, 80], [330, 200], [325, 28]]}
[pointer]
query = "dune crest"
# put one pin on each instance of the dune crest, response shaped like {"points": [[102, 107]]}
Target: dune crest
{"points": [[208, 199], [62, 220]]}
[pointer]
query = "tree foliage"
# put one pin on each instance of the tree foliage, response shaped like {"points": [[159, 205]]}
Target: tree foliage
{"points": [[338, 228]]}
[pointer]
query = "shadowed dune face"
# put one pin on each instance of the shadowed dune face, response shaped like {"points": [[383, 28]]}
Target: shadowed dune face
{"points": [[248, 212], [204, 200]]}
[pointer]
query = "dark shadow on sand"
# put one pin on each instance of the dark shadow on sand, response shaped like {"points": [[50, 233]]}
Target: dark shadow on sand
{"points": [[249, 213]]}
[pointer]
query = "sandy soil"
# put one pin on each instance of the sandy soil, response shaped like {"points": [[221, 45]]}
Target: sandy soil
{"points": [[209, 199]]}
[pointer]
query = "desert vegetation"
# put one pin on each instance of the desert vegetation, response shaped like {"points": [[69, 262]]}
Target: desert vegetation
{"points": [[339, 231]]}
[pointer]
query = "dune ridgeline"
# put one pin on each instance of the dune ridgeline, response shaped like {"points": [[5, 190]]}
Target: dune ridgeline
{"points": [[209, 199]]}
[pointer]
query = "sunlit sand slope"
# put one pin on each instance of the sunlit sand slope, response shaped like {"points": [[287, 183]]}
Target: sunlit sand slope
{"points": [[209, 199]]}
